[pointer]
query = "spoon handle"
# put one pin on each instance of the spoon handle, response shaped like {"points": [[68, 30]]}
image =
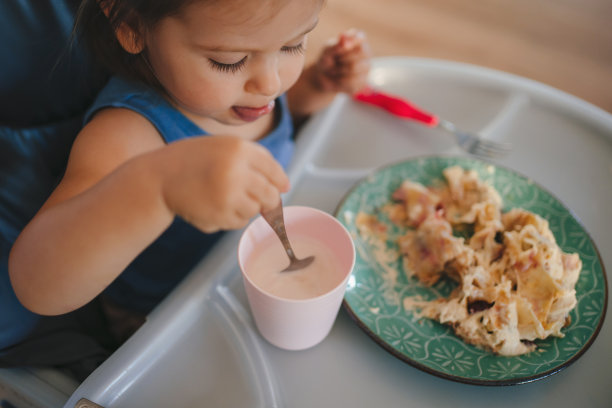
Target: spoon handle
{"points": [[275, 219]]}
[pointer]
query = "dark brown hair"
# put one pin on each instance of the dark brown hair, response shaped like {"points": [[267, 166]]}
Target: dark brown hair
{"points": [[97, 30]]}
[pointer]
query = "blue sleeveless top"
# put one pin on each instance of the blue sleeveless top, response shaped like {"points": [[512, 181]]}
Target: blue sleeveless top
{"points": [[163, 264]]}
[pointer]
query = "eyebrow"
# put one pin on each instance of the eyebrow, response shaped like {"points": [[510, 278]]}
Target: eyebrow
{"points": [[223, 49]]}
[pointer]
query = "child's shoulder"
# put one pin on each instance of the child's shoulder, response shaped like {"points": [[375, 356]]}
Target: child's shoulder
{"points": [[123, 93], [147, 102]]}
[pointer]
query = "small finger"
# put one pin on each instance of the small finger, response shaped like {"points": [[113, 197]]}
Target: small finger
{"points": [[264, 194], [350, 40], [248, 208], [271, 169], [236, 221]]}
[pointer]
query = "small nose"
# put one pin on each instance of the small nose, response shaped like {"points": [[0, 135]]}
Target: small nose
{"points": [[265, 79]]}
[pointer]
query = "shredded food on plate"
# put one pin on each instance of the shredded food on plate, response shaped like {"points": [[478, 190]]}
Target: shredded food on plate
{"points": [[515, 284]]}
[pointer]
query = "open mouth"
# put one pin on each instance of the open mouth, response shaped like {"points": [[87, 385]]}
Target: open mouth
{"points": [[250, 114]]}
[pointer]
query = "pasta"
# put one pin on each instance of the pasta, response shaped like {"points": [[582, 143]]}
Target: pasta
{"points": [[515, 285]]}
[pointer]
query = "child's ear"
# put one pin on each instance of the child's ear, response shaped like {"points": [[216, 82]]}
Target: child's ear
{"points": [[129, 38]]}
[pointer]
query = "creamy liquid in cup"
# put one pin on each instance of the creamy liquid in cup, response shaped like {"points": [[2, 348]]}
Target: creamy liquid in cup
{"points": [[265, 264]]}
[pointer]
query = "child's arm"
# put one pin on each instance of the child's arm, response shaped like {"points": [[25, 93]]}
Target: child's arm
{"points": [[342, 67], [121, 190]]}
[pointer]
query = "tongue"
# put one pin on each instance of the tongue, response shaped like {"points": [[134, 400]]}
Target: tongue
{"points": [[251, 114]]}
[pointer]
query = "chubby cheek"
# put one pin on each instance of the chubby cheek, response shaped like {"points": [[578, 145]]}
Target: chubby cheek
{"points": [[207, 97], [290, 71], [190, 86]]}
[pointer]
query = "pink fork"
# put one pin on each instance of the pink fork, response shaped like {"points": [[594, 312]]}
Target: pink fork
{"points": [[402, 108]]}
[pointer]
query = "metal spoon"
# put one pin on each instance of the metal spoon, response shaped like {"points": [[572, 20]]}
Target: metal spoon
{"points": [[274, 217]]}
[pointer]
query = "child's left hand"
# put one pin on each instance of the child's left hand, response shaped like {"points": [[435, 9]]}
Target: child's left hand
{"points": [[344, 65]]}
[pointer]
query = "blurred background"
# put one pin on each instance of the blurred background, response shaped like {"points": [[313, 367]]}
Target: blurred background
{"points": [[566, 44]]}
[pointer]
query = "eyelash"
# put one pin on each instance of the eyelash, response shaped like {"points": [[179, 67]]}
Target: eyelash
{"points": [[229, 68], [235, 67], [294, 49]]}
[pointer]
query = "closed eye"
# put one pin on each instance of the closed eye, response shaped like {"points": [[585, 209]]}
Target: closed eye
{"points": [[229, 68], [293, 49], [237, 66]]}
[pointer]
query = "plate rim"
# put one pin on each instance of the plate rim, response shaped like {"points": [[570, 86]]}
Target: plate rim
{"points": [[462, 379]]}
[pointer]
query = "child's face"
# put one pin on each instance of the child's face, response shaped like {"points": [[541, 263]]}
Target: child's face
{"points": [[228, 60]]}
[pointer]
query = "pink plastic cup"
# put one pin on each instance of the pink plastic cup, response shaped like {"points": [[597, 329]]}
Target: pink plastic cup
{"points": [[287, 320]]}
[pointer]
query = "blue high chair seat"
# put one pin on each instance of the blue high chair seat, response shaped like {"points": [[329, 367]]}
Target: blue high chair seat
{"points": [[43, 79], [46, 83]]}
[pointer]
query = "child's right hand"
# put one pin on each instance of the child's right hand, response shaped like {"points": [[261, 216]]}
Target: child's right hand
{"points": [[219, 182]]}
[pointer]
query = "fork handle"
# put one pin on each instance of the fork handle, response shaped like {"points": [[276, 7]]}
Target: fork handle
{"points": [[396, 105]]}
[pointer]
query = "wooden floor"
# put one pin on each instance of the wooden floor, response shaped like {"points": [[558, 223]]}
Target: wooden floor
{"points": [[564, 43]]}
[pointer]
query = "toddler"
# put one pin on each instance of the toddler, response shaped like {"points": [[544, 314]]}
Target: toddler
{"points": [[190, 137]]}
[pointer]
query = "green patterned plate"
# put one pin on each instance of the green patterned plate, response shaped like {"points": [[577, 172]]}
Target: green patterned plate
{"points": [[375, 292]]}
